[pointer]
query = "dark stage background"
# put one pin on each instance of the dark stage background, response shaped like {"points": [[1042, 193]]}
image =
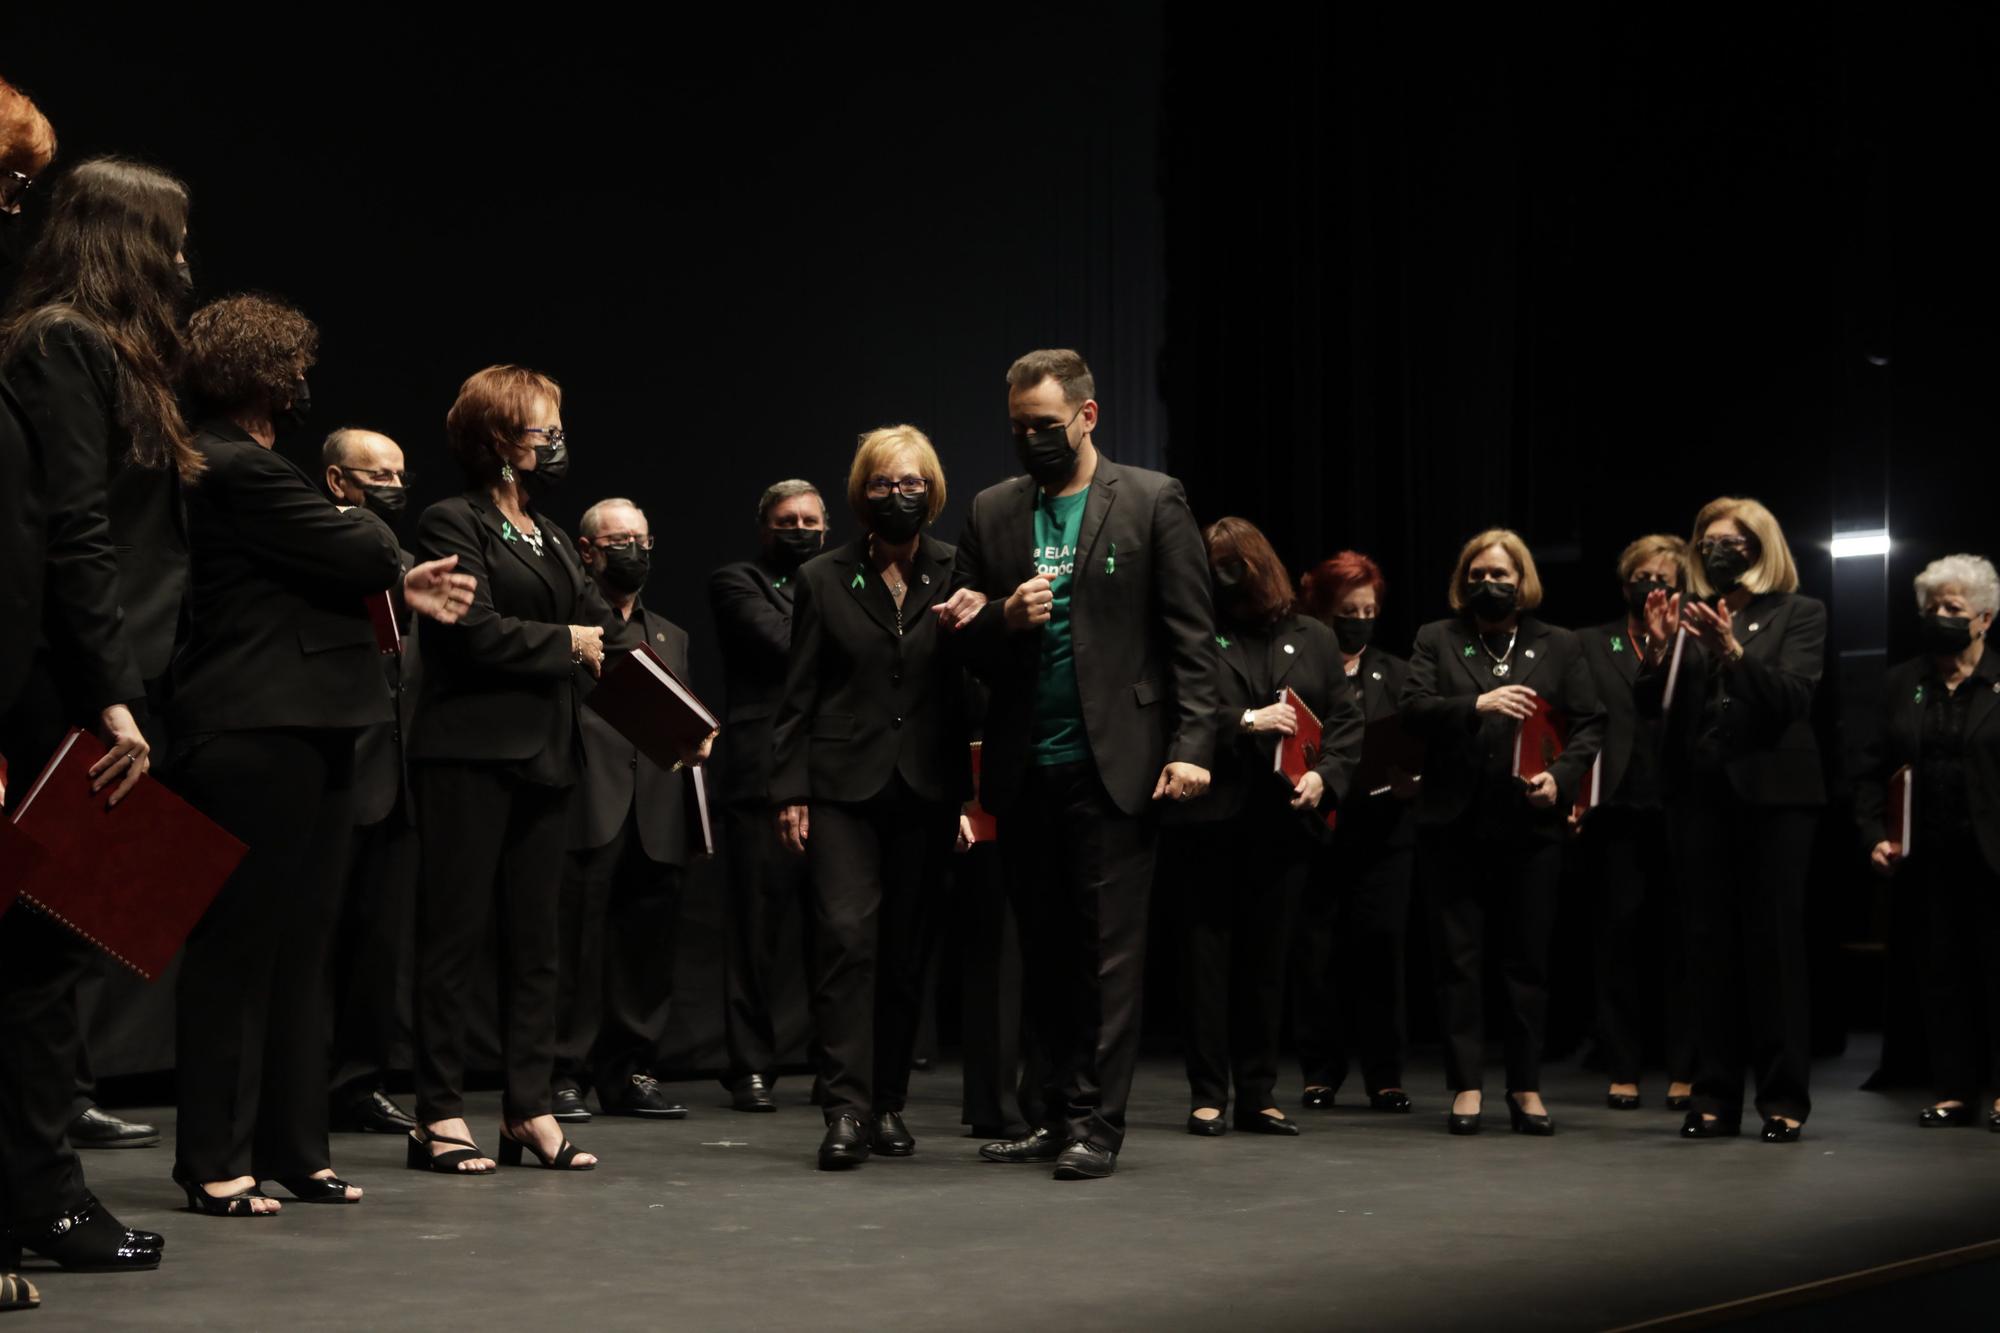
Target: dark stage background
{"points": [[1370, 280]]}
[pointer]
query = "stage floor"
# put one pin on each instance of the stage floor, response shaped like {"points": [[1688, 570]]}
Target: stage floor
{"points": [[1366, 1221]]}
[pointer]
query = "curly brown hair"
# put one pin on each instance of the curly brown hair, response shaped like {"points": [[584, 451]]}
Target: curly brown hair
{"points": [[249, 351]]}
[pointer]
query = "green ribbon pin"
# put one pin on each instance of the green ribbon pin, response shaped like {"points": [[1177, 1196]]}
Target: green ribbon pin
{"points": [[781, 582], [1617, 644], [1920, 694], [1111, 560], [859, 582], [1468, 650], [1222, 640], [506, 530]]}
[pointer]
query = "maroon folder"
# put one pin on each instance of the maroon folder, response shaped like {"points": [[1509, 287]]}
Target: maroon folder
{"points": [[984, 827], [1298, 753], [382, 615], [1540, 741], [647, 704], [134, 880]]}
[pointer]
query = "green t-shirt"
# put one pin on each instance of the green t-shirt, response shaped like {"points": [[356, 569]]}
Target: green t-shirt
{"points": [[1058, 736]]}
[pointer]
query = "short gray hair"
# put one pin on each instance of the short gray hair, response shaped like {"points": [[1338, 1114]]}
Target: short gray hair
{"points": [[592, 521], [780, 491], [1974, 574]]}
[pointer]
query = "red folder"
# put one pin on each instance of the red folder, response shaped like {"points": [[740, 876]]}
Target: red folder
{"points": [[382, 614], [1540, 741], [1298, 753], [133, 881], [647, 704], [985, 828], [1902, 798]]}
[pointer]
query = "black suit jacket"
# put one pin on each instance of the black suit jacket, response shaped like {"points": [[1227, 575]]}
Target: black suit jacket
{"points": [[1899, 741], [1141, 625], [1448, 673], [381, 767], [22, 544], [499, 686], [864, 702], [1770, 753], [1368, 821], [117, 532], [1615, 662], [752, 604], [280, 635], [1301, 653], [617, 779]]}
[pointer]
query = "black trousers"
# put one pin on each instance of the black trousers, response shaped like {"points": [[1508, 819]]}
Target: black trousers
{"points": [[875, 870], [1640, 934], [1003, 1078], [251, 1028], [1745, 870], [1239, 880], [373, 957], [1081, 874], [492, 858], [616, 976], [768, 894], [1354, 924], [1473, 883], [1962, 970]]}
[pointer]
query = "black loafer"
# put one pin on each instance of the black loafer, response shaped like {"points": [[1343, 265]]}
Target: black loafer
{"points": [[845, 1144], [1622, 1101], [640, 1095], [90, 1240], [566, 1105], [97, 1129], [751, 1093], [1777, 1131], [1946, 1117], [1696, 1127], [891, 1137], [1037, 1146], [1393, 1100], [1206, 1129], [1318, 1099], [1256, 1122], [1085, 1161], [369, 1112]]}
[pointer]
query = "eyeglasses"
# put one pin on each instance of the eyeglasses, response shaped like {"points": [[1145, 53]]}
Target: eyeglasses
{"points": [[378, 476], [618, 541], [553, 434], [1708, 544], [881, 486], [13, 185]]}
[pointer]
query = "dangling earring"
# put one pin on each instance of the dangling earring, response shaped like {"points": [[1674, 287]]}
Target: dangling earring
{"points": [[507, 472]]}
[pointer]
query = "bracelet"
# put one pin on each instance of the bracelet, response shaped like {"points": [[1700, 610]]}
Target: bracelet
{"points": [[575, 648]]}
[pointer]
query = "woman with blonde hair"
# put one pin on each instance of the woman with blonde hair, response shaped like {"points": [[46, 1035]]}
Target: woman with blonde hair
{"points": [[872, 764], [1734, 679]]}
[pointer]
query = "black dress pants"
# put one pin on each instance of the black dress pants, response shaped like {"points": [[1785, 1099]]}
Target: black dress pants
{"points": [[251, 1029], [373, 964], [1475, 882], [1354, 924], [619, 911], [1962, 970], [1240, 880], [493, 857], [1745, 869], [1637, 898], [768, 893], [1003, 1080], [1081, 874], [875, 869]]}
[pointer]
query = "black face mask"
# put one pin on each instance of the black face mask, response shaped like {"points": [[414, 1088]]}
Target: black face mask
{"points": [[301, 406], [897, 517], [1945, 636], [551, 466], [792, 547], [1046, 454], [1638, 590], [1354, 633], [387, 503], [185, 274], [626, 567], [1725, 567], [1491, 602]]}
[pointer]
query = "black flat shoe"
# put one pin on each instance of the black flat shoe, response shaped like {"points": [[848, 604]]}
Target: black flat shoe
{"points": [[419, 1157], [751, 1093], [1036, 1146], [370, 1112], [1206, 1129], [640, 1095], [239, 1204], [1317, 1099], [1680, 1103], [89, 1240], [1535, 1126], [890, 1136], [1085, 1161], [1393, 1100], [316, 1189], [1256, 1122], [97, 1129], [1696, 1127], [511, 1149], [845, 1145], [1946, 1117], [1455, 1123], [1622, 1101], [567, 1106], [1777, 1131]]}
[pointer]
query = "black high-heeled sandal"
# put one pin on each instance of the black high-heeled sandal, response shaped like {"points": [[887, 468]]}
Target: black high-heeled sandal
{"points": [[317, 1189], [239, 1204], [564, 1160], [421, 1158]]}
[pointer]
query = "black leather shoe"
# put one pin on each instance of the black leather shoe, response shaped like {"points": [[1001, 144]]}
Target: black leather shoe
{"points": [[640, 1095], [96, 1129], [1777, 1131], [1207, 1129], [1622, 1101], [1454, 1123], [1037, 1146], [891, 1137], [369, 1112], [1085, 1161], [751, 1093], [1256, 1122], [90, 1240], [566, 1105], [845, 1144], [1391, 1099], [1946, 1117], [1695, 1127], [1317, 1099], [1535, 1126]]}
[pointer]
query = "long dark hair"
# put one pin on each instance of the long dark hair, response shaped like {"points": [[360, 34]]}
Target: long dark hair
{"points": [[1267, 589], [105, 257]]}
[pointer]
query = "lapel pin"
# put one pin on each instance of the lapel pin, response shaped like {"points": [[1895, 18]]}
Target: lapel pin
{"points": [[1468, 650], [859, 582], [659, 638], [1617, 644], [926, 579], [1222, 640], [1377, 675], [1754, 627], [1531, 652], [1290, 649], [1920, 694], [1111, 560]]}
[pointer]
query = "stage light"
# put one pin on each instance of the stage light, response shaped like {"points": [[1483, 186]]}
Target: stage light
{"points": [[1848, 544]]}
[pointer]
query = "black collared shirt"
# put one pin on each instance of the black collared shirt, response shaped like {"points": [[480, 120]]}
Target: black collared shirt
{"points": [[1942, 809]]}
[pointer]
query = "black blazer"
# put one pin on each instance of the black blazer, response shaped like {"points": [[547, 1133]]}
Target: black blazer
{"points": [[1615, 663], [1376, 821], [863, 701], [1141, 624], [1448, 673], [499, 686], [1899, 741], [22, 543], [752, 604], [381, 765], [117, 532], [1769, 750], [618, 780], [1301, 653]]}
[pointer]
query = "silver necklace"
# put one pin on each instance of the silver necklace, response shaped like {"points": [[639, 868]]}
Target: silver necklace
{"points": [[1501, 661]]}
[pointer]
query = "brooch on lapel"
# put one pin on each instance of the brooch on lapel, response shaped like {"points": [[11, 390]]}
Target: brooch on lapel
{"points": [[1289, 649], [1754, 627], [1531, 652], [859, 582], [1222, 640], [1376, 674], [659, 637], [1111, 560], [1617, 643], [781, 582], [1468, 650], [507, 532]]}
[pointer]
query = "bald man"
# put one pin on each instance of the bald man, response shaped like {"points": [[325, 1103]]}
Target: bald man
{"points": [[373, 943]]}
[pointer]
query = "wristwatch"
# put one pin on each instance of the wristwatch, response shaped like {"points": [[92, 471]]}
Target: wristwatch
{"points": [[1249, 719]]}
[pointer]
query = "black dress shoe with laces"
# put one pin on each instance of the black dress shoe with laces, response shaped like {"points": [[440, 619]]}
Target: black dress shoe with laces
{"points": [[751, 1093], [1084, 1160], [369, 1112], [1256, 1122], [1946, 1117], [97, 1129], [1394, 1100], [1036, 1146], [640, 1095], [566, 1105], [1696, 1126], [890, 1136], [1777, 1131], [845, 1144], [89, 1240]]}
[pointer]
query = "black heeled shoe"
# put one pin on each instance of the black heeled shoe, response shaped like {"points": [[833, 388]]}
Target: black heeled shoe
{"points": [[1698, 1127], [511, 1149], [1206, 1129], [1777, 1131], [1393, 1100], [1454, 1123], [1535, 1126], [1317, 1099], [419, 1156], [316, 1189], [1256, 1122], [89, 1240], [1622, 1101], [1945, 1117], [239, 1204]]}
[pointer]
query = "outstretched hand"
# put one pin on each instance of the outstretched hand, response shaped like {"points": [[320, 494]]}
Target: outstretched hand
{"points": [[432, 590]]}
